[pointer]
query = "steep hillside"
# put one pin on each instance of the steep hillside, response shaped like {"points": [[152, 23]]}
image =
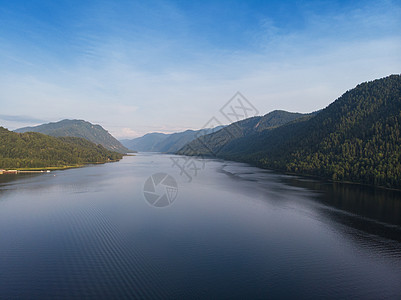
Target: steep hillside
{"points": [[79, 128], [36, 150], [356, 138]]}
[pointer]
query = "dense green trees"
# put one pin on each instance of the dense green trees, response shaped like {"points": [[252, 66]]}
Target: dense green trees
{"points": [[356, 138], [35, 150]]}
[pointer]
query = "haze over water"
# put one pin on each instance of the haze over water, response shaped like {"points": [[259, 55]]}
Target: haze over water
{"points": [[234, 231]]}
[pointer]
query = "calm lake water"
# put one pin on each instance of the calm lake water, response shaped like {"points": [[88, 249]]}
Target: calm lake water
{"points": [[234, 231]]}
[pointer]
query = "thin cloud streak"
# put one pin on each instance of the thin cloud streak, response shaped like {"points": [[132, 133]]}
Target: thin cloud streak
{"points": [[21, 119], [131, 85]]}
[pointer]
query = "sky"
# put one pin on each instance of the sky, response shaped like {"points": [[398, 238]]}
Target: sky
{"points": [[143, 66]]}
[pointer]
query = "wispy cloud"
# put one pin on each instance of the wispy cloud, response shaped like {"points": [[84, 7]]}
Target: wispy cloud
{"points": [[161, 71], [21, 119]]}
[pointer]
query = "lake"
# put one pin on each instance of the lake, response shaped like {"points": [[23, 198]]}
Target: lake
{"points": [[224, 230]]}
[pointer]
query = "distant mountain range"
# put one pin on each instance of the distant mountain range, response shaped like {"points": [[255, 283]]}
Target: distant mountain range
{"points": [[356, 138], [79, 128], [36, 150], [144, 143], [165, 143], [213, 144]]}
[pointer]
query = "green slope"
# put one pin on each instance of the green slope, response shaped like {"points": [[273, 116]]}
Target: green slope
{"points": [[79, 128], [356, 138], [36, 150]]}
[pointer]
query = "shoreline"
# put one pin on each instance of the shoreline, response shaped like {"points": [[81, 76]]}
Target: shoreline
{"points": [[48, 169], [316, 177]]}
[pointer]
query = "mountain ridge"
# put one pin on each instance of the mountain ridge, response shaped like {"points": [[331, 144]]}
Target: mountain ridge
{"points": [[211, 144], [78, 128], [37, 150], [166, 143], [356, 138]]}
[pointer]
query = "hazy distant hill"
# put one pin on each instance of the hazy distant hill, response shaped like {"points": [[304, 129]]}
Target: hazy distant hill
{"points": [[166, 143], [144, 143], [79, 128], [36, 150], [356, 138]]}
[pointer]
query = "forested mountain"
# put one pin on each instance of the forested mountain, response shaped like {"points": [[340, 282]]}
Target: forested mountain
{"points": [[36, 150], [79, 128], [165, 143], [212, 144], [356, 138]]}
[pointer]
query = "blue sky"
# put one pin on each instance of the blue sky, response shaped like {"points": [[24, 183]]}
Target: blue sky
{"points": [[141, 66]]}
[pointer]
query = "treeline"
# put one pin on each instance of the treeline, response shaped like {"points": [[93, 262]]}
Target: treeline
{"points": [[36, 150], [356, 138]]}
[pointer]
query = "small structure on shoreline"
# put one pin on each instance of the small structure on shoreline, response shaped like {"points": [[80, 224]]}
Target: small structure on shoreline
{"points": [[10, 171], [40, 171], [5, 172]]}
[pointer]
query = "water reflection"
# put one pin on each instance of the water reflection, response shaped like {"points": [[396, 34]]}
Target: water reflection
{"points": [[372, 210], [234, 231]]}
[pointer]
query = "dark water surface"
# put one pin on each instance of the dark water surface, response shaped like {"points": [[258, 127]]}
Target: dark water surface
{"points": [[234, 231]]}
